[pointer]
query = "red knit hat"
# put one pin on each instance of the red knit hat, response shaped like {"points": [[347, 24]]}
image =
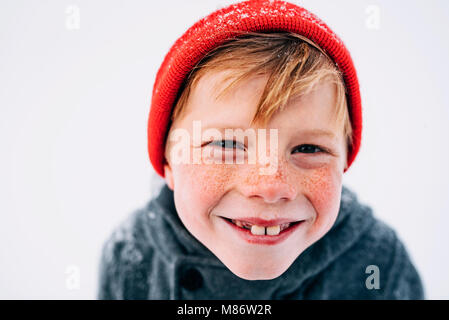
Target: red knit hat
{"points": [[213, 30]]}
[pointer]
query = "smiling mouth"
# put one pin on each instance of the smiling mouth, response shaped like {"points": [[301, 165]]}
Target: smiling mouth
{"points": [[263, 230]]}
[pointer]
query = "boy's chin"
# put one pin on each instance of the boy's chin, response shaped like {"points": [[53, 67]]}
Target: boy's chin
{"points": [[270, 275], [259, 272]]}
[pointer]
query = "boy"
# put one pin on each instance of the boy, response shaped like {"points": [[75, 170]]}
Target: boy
{"points": [[255, 116]]}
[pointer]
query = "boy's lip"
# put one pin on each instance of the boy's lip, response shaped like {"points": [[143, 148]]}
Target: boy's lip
{"points": [[263, 222], [270, 240]]}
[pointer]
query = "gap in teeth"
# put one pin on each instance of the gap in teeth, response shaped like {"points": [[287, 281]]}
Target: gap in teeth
{"points": [[259, 230]]}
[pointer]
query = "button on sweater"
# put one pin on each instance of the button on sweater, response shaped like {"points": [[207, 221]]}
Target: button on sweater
{"points": [[151, 255]]}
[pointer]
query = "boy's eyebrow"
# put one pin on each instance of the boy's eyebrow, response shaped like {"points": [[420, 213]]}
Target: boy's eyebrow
{"points": [[224, 127], [317, 132]]}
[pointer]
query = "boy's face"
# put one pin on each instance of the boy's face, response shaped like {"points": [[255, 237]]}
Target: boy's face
{"points": [[305, 186]]}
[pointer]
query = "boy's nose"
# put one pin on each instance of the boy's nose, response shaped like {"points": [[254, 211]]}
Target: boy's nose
{"points": [[269, 188]]}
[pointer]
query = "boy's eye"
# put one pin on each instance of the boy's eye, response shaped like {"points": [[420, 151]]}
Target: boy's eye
{"points": [[228, 144], [307, 148]]}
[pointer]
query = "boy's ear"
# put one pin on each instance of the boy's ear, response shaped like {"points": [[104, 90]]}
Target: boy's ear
{"points": [[345, 165], [169, 176]]}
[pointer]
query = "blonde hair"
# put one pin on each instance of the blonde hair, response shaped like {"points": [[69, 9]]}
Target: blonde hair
{"points": [[294, 65]]}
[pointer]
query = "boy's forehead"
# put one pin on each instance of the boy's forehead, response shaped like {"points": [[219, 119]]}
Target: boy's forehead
{"points": [[237, 107], [242, 97]]}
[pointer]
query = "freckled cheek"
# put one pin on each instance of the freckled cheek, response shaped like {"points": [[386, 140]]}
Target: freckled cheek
{"points": [[199, 187], [323, 189]]}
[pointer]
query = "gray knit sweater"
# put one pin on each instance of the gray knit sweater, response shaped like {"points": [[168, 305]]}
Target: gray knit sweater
{"points": [[151, 255]]}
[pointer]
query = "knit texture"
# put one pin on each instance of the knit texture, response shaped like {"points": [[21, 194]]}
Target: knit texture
{"points": [[151, 255], [220, 26]]}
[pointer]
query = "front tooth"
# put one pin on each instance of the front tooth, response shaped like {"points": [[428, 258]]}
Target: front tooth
{"points": [[257, 230], [274, 230]]}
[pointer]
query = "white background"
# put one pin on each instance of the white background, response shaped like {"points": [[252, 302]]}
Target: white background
{"points": [[74, 104]]}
